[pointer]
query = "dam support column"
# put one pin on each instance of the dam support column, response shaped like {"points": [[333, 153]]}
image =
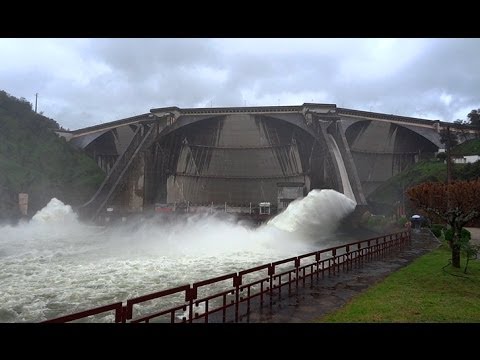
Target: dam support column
{"points": [[337, 130], [326, 122]]}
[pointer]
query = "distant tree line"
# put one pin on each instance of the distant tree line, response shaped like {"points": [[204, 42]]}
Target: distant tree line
{"points": [[473, 120]]}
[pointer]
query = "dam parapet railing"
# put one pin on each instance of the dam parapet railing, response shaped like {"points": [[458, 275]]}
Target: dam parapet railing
{"points": [[231, 297]]}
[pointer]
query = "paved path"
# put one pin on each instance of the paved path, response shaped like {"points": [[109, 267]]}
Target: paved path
{"points": [[475, 235], [308, 304]]}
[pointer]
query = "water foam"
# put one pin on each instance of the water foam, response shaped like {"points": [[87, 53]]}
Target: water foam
{"points": [[318, 213], [54, 264]]}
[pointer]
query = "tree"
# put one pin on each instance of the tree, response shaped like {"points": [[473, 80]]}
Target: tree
{"points": [[474, 117], [444, 137], [450, 139], [442, 156], [456, 203]]}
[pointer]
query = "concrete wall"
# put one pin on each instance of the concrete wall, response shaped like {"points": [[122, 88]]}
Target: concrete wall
{"points": [[237, 159], [381, 150], [287, 194], [237, 156]]}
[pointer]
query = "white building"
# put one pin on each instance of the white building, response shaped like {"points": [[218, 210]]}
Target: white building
{"points": [[467, 159]]}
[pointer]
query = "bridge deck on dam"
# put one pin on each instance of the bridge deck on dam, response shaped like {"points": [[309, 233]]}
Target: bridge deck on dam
{"points": [[308, 304]]}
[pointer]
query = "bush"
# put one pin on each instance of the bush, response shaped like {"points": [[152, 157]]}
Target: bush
{"points": [[381, 224], [465, 235], [402, 221], [437, 229], [376, 220], [442, 156]]}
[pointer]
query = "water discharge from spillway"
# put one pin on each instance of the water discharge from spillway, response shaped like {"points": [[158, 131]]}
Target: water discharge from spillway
{"points": [[347, 187], [55, 265]]}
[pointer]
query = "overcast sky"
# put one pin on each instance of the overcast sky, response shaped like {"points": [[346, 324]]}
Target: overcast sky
{"points": [[83, 82]]}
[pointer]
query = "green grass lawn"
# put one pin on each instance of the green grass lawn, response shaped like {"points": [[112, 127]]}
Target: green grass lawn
{"points": [[420, 292]]}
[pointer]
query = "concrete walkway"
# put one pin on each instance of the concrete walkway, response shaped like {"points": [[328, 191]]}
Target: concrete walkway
{"points": [[310, 303], [475, 235]]}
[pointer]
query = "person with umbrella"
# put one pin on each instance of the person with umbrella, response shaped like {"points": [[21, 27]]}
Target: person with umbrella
{"points": [[416, 221]]}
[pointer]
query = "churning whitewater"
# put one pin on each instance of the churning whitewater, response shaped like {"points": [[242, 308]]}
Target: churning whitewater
{"points": [[55, 265]]}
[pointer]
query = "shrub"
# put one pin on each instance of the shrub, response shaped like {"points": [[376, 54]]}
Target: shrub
{"points": [[441, 156], [465, 235], [437, 229], [376, 220], [402, 221]]}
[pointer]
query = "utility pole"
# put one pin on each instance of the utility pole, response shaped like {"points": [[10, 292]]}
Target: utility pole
{"points": [[449, 168], [449, 163], [36, 98]]}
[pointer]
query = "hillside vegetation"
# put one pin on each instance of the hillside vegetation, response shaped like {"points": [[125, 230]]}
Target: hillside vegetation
{"points": [[34, 160], [384, 198], [470, 147]]}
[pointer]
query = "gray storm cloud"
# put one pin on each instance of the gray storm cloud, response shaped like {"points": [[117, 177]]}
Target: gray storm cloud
{"points": [[82, 82]]}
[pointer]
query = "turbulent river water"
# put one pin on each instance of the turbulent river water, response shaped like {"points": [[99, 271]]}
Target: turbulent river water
{"points": [[54, 264]]}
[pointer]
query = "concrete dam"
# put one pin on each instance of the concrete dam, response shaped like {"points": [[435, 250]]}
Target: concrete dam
{"points": [[241, 156]]}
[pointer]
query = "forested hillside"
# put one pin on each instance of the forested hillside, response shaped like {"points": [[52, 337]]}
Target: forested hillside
{"points": [[392, 192], [34, 160]]}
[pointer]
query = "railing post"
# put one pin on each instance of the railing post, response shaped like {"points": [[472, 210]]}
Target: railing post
{"points": [[334, 256], [348, 257], [123, 314], [190, 296], [297, 265], [271, 271], [358, 258], [237, 281]]}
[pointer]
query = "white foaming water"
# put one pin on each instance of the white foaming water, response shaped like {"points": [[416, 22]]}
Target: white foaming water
{"points": [[318, 213], [54, 265]]}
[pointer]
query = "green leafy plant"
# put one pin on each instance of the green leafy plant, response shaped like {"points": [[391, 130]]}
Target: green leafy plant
{"points": [[437, 230]]}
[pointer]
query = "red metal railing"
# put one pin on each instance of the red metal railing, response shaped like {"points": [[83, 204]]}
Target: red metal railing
{"points": [[117, 307], [228, 298]]}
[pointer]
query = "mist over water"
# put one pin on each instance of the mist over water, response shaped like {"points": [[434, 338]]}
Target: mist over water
{"points": [[54, 264]]}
